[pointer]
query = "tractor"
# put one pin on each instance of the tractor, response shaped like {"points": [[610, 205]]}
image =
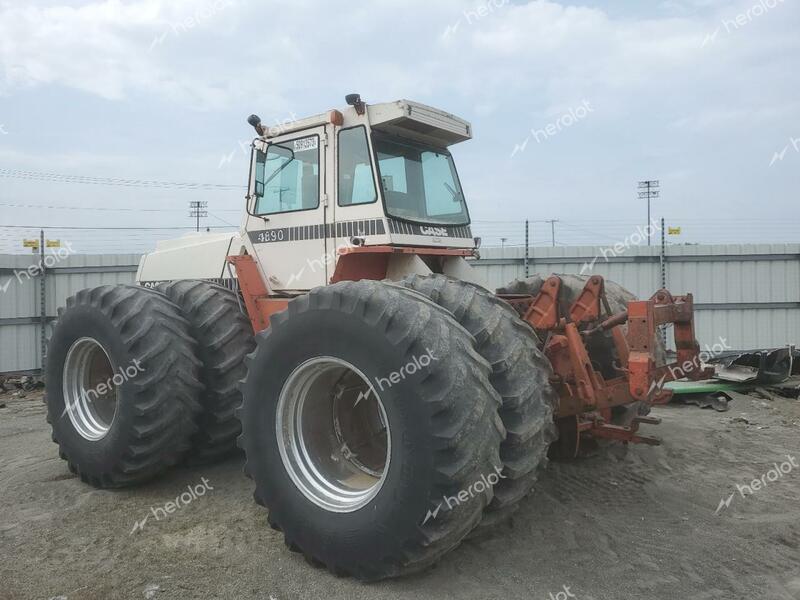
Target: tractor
{"points": [[387, 403]]}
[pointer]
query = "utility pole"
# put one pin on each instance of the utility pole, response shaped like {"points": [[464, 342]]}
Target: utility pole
{"points": [[663, 328], [527, 244], [38, 246], [553, 229], [197, 209], [649, 190], [503, 242], [42, 301], [663, 256]]}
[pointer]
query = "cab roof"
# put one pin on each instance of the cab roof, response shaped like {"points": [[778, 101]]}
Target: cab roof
{"points": [[401, 117]]}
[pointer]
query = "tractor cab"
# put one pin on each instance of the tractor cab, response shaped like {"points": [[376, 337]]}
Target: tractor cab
{"points": [[367, 192], [378, 180]]}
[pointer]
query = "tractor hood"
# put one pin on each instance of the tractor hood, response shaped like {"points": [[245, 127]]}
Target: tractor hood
{"points": [[193, 256]]}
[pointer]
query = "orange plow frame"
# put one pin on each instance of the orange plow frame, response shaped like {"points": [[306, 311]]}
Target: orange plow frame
{"points": [[586, 398]]}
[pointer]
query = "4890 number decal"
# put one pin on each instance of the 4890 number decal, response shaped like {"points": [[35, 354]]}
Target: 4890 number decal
{"points": [[270, 235]]}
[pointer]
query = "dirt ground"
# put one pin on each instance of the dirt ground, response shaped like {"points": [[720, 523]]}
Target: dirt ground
{"points": [[636, 523]]}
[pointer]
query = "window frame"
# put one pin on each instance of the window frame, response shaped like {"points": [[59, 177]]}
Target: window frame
{"points": [[319, 177], [373, 166], [421, 146]]}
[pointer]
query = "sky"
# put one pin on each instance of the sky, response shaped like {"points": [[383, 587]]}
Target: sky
{"points": [[571, 104]]}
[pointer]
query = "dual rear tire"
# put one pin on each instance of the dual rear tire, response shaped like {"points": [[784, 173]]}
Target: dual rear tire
{"points": [[520, 374], [383, 423], [123, 382], [140, 380]]}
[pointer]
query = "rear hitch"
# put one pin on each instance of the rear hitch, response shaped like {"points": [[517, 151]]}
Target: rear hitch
{"points": [[587, 396]]}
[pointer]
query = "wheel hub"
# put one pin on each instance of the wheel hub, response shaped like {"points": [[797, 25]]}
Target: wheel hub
{"points": [[90, 396], [333, 434]]}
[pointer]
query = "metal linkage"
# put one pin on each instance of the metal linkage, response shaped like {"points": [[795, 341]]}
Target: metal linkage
{"points": [[644, 318], [587, 397]]}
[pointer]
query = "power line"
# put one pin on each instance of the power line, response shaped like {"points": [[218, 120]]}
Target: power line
{"points": [[220, 219], [586, 231], [69, 227], [87, 180], [101, 208]]}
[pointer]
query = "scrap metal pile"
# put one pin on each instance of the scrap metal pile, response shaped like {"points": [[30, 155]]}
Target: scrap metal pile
{"points": [[766, 373]]}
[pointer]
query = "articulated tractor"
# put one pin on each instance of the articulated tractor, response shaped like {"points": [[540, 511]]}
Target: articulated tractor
{"points": [[388, 405]]}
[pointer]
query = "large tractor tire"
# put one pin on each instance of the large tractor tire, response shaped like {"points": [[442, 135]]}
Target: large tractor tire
{"points": [[520, 374], [122, 385], [371, 429], [225, 338]]}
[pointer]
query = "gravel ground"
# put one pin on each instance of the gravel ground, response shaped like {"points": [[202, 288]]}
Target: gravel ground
{"points": [[635, 523]]}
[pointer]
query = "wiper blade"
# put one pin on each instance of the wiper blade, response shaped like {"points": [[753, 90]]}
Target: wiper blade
{"points": [[456, 194]]}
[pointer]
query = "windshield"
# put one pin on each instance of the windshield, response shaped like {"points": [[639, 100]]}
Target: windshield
{"points": [[419, 182]]}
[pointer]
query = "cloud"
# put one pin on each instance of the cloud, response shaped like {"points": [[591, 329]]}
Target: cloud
{"points": [[214, 53], [663, 103], [102, 48]]}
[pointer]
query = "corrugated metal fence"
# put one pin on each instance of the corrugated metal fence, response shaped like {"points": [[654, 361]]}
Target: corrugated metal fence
{"points": [[21, 304], [748, 294]]}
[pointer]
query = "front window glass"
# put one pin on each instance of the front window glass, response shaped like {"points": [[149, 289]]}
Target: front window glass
{"points": [[287, 176], [419, 182]]}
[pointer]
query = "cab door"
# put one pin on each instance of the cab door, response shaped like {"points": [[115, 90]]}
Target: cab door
{"points": [[287, 224]]}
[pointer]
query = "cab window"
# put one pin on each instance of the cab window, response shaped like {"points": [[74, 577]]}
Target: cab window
{"points": [[419, 182], [287, 176], [356, 179]]}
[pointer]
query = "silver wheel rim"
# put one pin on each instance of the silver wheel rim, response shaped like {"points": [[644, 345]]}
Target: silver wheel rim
{"points": [[90, 397], [333, 434]]}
